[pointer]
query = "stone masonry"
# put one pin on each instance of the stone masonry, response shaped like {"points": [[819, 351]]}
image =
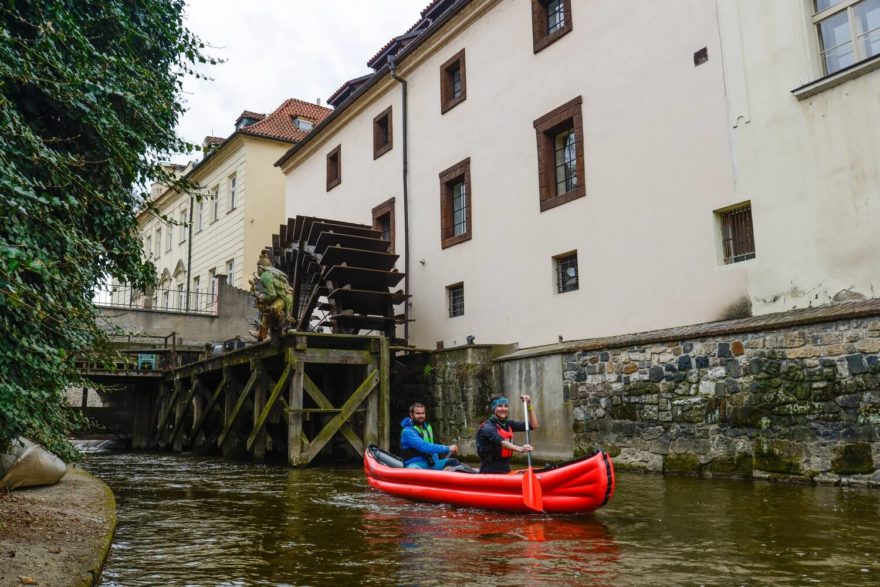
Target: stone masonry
{"points": [[795, 396]]}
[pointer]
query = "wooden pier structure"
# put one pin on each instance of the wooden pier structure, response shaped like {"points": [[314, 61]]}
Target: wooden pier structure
{"points": [[304, 395]]}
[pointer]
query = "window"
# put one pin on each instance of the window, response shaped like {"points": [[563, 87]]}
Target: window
{"points": [[233, 180], [737, 235], [200, 221], [334, 168], [230, 272], [212, 277], [849, 32], [166, 299], [169, 236], [182, 226], [566, 272], [158, 242], [551, 19], [383, 219], [455, 204], [195, 303], [455, 296], [560, 139], [453, 83], [181, 300], [148, 246], [303, 123], [215, 204], [383, 137]]}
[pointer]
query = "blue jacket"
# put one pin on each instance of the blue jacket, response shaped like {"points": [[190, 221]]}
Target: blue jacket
{"points": [[412, 440]]}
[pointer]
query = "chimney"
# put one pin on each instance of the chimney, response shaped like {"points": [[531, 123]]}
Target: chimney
{"points": [[318, 101]]}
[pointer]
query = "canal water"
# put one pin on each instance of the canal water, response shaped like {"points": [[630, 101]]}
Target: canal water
{"points": [[196, 521]]}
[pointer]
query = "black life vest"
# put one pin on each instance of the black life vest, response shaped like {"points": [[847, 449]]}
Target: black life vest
{"points": [[498, 452]]}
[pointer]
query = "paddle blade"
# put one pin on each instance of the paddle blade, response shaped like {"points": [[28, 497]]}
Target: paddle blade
{"points": [[532, 495]]}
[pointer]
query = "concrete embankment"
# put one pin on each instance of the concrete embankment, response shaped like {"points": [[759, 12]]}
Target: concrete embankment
{"points": [[58, 535]]}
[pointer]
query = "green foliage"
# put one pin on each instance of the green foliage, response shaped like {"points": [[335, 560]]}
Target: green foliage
{"points": [[89, 99]]}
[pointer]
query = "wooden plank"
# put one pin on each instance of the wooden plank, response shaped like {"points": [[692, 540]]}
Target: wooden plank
{"points": [[371, 421], [167, 412], [325, 404], [335, 423], [336, 357], [189, 396], [210, 405], [385, 392], [238, 404], [257, 447], [264, 413], [296, 440]]}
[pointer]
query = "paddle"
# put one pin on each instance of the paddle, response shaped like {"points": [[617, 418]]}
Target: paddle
{"points": [[531, 486]]}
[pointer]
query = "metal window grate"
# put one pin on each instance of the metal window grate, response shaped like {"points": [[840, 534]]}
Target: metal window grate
{"points": [[737, 235], [456, 300], [566, 162], [567, 273], [555, 16], [459, 209]]}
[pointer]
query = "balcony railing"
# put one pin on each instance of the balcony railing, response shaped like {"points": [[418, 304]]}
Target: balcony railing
{"points": [[167, 300]]}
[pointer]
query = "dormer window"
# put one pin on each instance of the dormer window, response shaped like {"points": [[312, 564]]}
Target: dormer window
{"points": [[303, 123]]}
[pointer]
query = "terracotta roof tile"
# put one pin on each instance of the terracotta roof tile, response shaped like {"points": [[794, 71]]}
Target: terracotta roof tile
{"points": [[426, 12], [279, 124], [212, 141]]}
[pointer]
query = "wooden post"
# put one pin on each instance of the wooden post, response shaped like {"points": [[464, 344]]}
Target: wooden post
{"points": [[261, 391], [385, 393], [295, 402], [371, 418]]}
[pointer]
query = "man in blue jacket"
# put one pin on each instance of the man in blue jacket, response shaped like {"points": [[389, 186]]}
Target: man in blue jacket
{"points": [[417, 443]]}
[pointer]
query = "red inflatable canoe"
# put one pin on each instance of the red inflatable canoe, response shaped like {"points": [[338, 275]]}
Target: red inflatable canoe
{"points": [[579, 486]]}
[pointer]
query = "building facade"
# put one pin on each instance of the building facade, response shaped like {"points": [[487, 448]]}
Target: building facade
{"points": [[241, 205], [560, 183]]}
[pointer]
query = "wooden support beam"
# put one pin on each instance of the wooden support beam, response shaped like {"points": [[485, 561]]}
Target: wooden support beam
{"points": [[385, 393], [189, 396], [160, 429], [335, 423], [257, 447], [296, 439], [238, 404], [204, 415], [326, 405], [267, 408], [336, 357]]}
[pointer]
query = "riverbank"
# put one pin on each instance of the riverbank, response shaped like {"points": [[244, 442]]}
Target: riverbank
{"points": [[58, 535]]}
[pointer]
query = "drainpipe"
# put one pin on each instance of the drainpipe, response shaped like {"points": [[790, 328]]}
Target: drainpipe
{"points": [[392, 66], [189, 250]]}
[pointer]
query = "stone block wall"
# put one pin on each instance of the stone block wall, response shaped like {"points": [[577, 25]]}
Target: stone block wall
{"points": [[795, 397]]}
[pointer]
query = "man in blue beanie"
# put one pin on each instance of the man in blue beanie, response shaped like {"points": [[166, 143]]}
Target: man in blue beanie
{"points": [[417, 443]]}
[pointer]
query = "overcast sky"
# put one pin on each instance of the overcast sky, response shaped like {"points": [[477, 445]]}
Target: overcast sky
{"points": [[276, 50]]}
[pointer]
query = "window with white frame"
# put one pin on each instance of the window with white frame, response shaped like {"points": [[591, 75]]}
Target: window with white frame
{"points": [[181, 300], [169, 236], [849, 31], [230, 272], [200, 221], [196, 303], [215, 203], [233, 181], [148, 246], [212, 279], [158, 242], [181, 227]]}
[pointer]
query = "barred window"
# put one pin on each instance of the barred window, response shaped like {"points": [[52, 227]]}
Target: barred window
{"points": [[453, 82], [455, 295], [455, 204], [561, 170], [737, 235], [551, 19], [555, 16], [566, 272], [566, 161]]}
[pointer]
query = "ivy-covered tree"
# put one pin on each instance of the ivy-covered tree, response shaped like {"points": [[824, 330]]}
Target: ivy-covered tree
{"points": [[90, 95]]}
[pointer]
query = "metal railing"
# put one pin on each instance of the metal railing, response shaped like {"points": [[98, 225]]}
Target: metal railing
{"points": [[200, 301]]}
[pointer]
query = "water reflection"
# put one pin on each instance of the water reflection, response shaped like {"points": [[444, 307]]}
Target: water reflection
{"points": [[196, 521]]}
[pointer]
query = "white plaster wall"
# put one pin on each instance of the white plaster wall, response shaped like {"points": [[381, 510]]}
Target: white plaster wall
{"points": [[657, 157], [811, 168]]}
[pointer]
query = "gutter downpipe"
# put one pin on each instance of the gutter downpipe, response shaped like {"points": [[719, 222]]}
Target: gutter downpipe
{"points": [[392, 67]]}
